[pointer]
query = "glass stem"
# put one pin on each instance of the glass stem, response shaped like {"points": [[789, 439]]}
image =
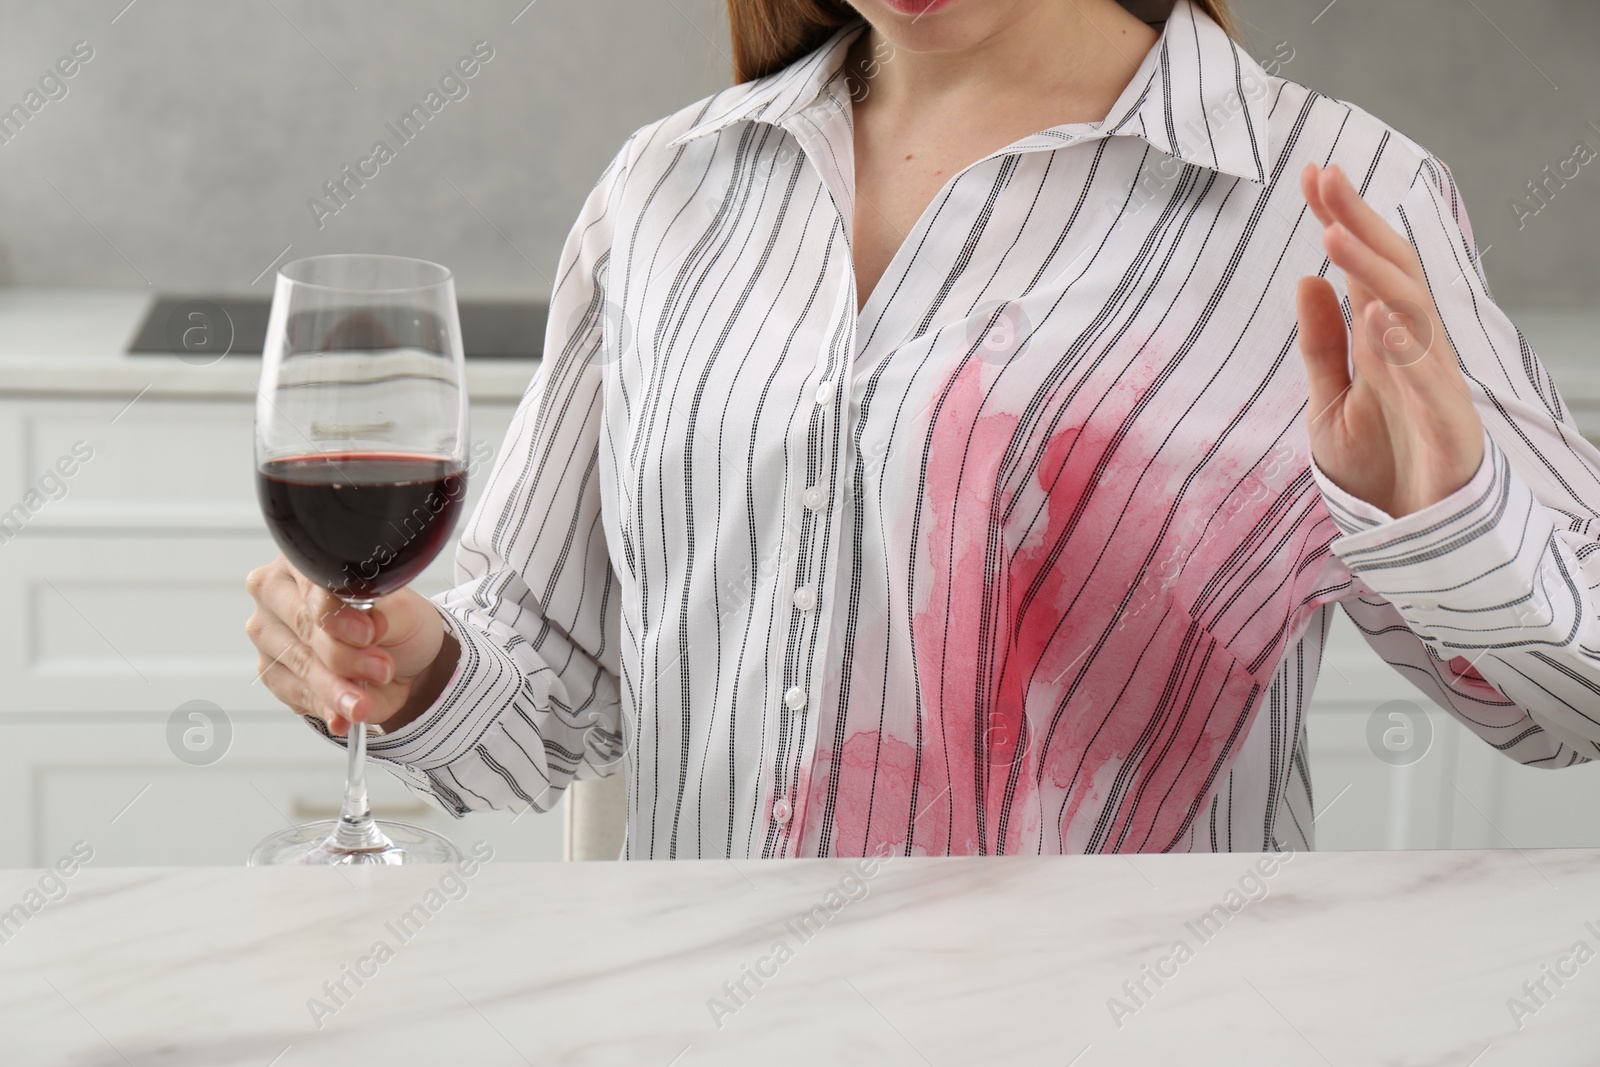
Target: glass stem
{"points": [[357, 832]]}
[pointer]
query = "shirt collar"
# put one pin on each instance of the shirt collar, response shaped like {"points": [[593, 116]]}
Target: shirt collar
{"points": [[1197, 96]]}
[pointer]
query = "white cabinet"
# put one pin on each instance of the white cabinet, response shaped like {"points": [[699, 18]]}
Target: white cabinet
{"points": [[121, 599]]}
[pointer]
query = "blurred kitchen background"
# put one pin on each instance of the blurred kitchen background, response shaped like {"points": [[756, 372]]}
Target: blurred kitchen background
{"points": [[178, 158]]}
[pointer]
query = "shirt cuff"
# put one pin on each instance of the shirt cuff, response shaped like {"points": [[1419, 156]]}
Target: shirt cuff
{"points": [[1353, 515], [1463, 572], [486, 681]]}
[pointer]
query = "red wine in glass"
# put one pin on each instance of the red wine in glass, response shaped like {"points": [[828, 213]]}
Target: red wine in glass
{"points": [[361, 524]]}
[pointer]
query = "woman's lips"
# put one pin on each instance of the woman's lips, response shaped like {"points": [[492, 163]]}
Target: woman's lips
{"points": [[918, 7]]}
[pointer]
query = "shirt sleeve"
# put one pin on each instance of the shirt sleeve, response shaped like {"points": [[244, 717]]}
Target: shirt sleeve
{"points": [[535, 698], [1485, 600]]}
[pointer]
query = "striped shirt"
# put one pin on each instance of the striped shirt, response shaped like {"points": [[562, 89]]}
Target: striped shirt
{"points": [[1029, 554]]}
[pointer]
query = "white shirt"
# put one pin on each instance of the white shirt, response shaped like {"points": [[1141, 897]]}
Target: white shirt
{"points": [[1028, 556]]}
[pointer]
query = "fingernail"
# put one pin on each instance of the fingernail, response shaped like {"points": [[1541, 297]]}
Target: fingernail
{"points": [[355, 631], [377, 668], [347, 703]]}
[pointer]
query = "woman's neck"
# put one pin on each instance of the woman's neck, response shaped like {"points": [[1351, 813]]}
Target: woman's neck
{"points": [[1078, 56]]}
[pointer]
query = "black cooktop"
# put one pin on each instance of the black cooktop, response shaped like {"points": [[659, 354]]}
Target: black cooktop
{"points": [[194, 327]]}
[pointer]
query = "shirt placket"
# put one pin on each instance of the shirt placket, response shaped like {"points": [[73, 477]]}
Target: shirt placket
{"points": [[810, 577]]}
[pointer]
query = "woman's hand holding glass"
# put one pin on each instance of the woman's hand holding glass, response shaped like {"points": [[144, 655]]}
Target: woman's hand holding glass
{"points": [[324, 658]]}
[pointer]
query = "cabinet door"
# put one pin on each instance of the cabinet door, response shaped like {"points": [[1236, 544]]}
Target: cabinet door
{"points": [[1503, 804], [118, 598], [183, 465], [118, 783], [1382, 754], [170, 466], [135, 623], [128, 623]]}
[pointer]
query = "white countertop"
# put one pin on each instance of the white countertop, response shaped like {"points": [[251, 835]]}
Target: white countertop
{"points": [[75, 341], [1341, 958]]}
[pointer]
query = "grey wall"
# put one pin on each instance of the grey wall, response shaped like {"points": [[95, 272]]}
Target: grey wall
{"points": [[195, 135], [1498, 89]]}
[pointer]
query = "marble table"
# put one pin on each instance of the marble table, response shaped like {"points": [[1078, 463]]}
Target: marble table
{"points": [[1410, 958]]}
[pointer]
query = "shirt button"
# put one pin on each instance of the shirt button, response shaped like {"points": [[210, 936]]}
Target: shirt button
{"points": [[780, 811], [795, 698], [804, 598], [825, 392], [814, 498]]}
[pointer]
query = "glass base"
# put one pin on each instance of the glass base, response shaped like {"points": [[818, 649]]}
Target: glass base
{"points": [[313, 844]]}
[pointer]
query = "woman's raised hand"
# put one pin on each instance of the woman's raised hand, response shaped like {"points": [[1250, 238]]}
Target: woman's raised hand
{"points": [[1391, 422], [315, 651]]}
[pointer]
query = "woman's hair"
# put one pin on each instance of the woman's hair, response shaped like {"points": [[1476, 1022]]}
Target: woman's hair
{"points": [[768, 35]]}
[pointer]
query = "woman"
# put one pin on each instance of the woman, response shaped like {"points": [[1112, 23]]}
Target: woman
{"points": [[922, 461]]}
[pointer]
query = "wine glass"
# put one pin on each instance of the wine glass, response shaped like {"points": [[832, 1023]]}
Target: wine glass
{"points": [[361, 448]]}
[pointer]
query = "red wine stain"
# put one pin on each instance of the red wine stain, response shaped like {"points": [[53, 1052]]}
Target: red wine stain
{"points": [[876, 776], [1466, 673], [1018, 639]]}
